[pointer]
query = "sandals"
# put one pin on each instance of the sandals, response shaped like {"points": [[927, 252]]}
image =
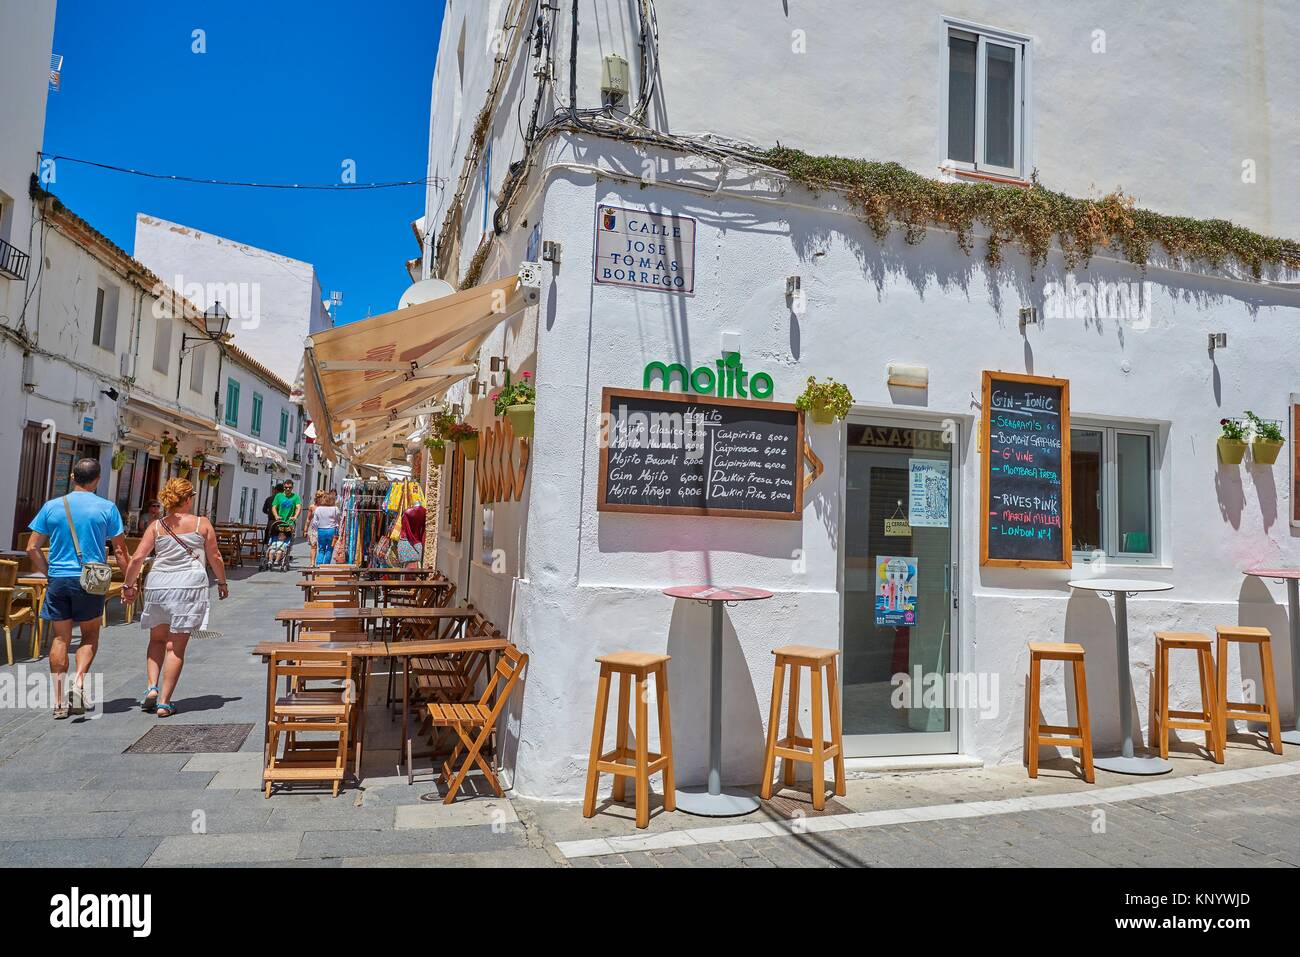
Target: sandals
{"points": [[166, 709], [149, 703], [61, 712], [78, 700]]}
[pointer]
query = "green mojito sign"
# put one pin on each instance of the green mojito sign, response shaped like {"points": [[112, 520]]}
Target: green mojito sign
{"points": [[726, 378]]}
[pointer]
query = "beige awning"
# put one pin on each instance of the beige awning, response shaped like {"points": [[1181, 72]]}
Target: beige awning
{"points": [[252, 448], [173, 418], [366, 381]]}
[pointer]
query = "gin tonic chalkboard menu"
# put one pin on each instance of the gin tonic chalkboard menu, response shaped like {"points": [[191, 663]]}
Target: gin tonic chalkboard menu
{"points": [[1025, 480], [675, 454]]}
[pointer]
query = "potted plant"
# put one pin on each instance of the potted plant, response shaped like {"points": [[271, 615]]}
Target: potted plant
{"points": [[119, 459], [827, 401], [214, 475], [437, 449], [517, 401], [466, 436], [183, 468], [198, 458], [167, 447], [1232, 441], [1266, 439]]}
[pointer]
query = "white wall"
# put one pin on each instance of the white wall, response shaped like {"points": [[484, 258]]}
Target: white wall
{"points": [[274, 301]]}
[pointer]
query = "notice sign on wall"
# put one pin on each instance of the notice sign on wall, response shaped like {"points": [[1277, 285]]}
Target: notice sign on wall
{"points": [[896, 591], [644, 250], [1025, 479]]}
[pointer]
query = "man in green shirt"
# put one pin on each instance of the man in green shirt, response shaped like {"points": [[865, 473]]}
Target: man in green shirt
{"points": [[286, 505]]}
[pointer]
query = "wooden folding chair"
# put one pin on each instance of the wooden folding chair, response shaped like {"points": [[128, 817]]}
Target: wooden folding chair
{"points": [[299, 712], [474, 723]]}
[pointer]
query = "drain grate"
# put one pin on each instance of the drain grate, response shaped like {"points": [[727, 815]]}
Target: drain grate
{"points": [[787, 807], [191, 739]]}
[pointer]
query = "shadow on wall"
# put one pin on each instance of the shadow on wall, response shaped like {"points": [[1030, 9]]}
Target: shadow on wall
{"points": [[688, 697], [1265, 492], [1256, 608], [1090, 622], [1231, 495]]}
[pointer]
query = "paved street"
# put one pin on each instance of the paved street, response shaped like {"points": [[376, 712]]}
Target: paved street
{"points": [[73, 798]]}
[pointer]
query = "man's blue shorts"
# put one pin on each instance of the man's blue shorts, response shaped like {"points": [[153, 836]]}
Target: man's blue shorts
{"points": [[66, 600]]}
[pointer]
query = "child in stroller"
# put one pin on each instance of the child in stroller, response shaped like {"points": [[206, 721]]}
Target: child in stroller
{"points": [[277, 552]]}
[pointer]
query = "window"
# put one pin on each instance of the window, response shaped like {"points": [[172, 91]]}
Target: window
{"points": [[1114, 474], [196, 372], [105, 332], [284, 428], [232, 403], [162, 346], [985, 101], [257, 414]]}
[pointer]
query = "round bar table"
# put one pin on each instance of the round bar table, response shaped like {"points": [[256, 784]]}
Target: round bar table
{"points": [[1292, 578], [1127, 761], [712, 799]]}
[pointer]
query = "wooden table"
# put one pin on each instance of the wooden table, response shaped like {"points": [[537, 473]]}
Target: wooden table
{"points": [[375, 584], [430, 617], [367, 651], [361, 573]]}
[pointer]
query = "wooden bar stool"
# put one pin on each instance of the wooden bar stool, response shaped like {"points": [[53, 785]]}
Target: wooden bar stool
{"points": [[1206, 719], [629, 665], [1246, 710], [820, 662], [1079, 736]]}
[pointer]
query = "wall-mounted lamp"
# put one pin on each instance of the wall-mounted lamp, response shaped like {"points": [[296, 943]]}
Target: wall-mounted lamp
{"points": [[1218, 340], [794, 293], [1028, 316], [793, 284], [910, 376], [112, 393], [550, 251], [497, 363], [457, 410]]}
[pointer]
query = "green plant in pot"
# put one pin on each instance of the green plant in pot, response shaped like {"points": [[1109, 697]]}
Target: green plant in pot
{"points": [[517, 401], [437, 449], [183, 468], [119, 459], [1232, 441], [466, 436], [213, 476], [167, 447], [1266, 439], [827, 401]]}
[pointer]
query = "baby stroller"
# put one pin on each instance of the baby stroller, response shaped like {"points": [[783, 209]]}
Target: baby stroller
{"points": [[278, 555]]}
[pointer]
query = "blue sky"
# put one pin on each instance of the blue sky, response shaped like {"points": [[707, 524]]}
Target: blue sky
{"points": [[286, 92]]}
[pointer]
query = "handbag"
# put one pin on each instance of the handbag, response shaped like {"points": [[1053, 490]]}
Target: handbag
{"points": [[96, 577]]}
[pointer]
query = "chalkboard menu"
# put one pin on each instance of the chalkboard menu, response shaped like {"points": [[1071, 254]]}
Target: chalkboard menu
{"points": [[676, 454], [1025, 479]]}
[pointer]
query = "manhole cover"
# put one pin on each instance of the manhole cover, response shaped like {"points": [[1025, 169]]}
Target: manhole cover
{"points": [[788, 807], [191, 739]]}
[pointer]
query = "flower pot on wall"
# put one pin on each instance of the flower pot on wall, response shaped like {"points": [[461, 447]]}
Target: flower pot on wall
{"points": [[823, 416], [521, 419], [1265, 451], [438, 454], [1231, 451], [469, 448]]}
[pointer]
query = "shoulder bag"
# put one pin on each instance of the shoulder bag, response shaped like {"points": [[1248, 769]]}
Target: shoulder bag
{"points": [[96, 577]]}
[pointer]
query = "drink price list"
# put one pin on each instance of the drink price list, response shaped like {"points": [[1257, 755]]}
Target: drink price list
{"points": [[1025, 480]]}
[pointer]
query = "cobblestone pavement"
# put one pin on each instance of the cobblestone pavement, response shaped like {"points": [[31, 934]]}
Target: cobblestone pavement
{"points": [[72, 797]]}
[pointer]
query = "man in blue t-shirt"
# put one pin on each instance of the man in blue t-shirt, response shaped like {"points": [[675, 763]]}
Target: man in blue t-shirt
{"points": [[66, 603]]}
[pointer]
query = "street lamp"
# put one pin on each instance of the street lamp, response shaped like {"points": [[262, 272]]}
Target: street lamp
{"points": [[215, 321]]}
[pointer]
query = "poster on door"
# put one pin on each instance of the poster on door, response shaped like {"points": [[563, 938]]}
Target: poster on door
{"points": [[927, 493], [896, 590]]}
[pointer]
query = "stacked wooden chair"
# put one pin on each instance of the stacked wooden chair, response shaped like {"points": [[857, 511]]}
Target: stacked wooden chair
{"points": [[299, 711]]}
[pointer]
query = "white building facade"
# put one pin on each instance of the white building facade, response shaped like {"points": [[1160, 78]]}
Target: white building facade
{"points": [[796, 280]]}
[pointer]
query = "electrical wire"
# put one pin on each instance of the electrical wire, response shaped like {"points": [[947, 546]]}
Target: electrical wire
{"points": [[174, 177]]}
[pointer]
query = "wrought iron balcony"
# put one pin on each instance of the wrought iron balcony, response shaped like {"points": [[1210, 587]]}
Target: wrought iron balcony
{"points": [[13, 262]]}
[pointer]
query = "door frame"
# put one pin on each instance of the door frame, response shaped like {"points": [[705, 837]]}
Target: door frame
{"points": [[917, 742]]}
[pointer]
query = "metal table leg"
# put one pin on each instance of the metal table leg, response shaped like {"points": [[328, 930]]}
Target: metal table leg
{"points": [[1293, 609], [712, 799], [1127, 762]]}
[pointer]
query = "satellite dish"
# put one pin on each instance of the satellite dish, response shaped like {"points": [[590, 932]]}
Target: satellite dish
{"points": [[426, 290]]}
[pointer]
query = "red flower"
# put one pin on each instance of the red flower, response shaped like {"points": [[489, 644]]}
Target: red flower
{"points": [[526, 375]]}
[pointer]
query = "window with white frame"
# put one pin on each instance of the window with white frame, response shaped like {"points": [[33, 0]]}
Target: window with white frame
{"points": [[1115, 489], [985, 94]]}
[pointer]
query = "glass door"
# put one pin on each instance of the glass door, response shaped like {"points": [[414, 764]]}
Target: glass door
{"points": [[900, 565]]}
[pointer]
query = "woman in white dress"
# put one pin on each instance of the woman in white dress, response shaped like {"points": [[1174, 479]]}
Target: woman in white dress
{"points": [[176, 595]]}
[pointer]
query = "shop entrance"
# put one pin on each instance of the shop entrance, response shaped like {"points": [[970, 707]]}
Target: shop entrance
{"points": [[900, 564]]}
